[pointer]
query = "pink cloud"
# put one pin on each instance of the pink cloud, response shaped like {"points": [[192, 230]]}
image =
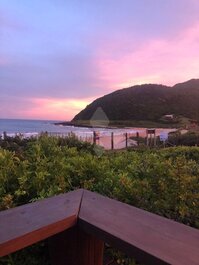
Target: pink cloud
{"points": [[56, 109], [165, 61], [42, 108]]}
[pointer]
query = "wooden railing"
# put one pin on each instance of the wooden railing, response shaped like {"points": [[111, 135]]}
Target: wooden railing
{"points": [[77, 223]]}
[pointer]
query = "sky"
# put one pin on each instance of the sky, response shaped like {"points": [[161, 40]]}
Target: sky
{"points": [[57, 56]]}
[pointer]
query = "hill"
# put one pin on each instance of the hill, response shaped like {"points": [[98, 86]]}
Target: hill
{"points": [[144, 105]]}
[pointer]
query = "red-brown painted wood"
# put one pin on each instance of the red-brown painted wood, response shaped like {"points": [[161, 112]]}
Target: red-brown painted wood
{"points": [[75, 247], [149, 238], [30, 223]]}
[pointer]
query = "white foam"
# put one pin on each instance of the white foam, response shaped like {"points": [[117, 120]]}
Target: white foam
{"points": [[22, 135]]}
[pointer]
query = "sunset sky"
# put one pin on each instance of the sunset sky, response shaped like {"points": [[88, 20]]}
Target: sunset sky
{"points": [[56, 56]]}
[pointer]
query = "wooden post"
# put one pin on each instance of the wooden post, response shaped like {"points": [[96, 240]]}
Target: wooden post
{"points": [[151, 137], [126, 134], [138, 138], [112, 140], [4, 135], [150, 140], [147, 138], [154, 139], [94, 137], [75, 247]]}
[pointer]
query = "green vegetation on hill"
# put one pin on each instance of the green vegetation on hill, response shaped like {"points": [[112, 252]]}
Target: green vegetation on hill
{"points": [[164, 181], [146, 104], [187, 139]]}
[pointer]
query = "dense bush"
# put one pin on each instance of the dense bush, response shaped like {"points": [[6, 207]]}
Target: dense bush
{"points": [[187, 139], [162, 181]]}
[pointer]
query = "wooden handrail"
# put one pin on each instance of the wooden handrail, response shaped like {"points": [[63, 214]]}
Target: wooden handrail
{"points": [[149, 238], [28, 224]]}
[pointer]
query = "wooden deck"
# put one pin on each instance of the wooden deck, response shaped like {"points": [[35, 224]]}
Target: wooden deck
{"points": [[77, 224]]}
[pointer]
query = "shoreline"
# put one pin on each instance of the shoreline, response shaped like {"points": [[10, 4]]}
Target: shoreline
{"points": [[119, 126], [90, 126]]}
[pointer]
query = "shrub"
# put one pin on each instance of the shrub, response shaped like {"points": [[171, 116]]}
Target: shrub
{"points": [[162, 181]]}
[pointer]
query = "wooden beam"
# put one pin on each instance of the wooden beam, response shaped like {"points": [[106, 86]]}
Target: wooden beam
{"points": [[149, 238], [126, 139], [30, 223], [112, 141], [75, 247]]}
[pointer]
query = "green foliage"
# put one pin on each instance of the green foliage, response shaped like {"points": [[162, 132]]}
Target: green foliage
{"points": [[164, 181], [73, 141], [188, 139], [190, 153], [34, 255], [16, 144]]}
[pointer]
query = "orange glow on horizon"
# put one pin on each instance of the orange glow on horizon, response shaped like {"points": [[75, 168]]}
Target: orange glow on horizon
{"points": [[56, 109]]}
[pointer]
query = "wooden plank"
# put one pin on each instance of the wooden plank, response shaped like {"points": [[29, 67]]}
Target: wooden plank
{"points": [[30, 223], [149, 238], [75, 247]]}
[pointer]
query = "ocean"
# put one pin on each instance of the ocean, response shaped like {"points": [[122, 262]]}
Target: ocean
{"points": [[29, 128], [35, 127]]}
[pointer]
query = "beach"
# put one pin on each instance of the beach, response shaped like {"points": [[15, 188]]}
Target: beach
{"points": [[120, 139], [33, 128]]}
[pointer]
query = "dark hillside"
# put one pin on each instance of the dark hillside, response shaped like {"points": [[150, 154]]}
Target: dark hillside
{"points": [[147, 102]]}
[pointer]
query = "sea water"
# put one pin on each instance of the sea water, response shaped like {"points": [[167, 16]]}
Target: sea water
{"points": [[35, 127]]}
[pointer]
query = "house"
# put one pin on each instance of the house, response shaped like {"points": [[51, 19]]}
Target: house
{"points": [[169, 116]]}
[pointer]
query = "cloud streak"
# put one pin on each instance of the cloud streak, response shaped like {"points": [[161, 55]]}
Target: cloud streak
{"points": [[42, 108], [160, 60], [56, 109]]}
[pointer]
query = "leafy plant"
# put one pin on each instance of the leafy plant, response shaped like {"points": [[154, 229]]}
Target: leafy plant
{"points": [[164, 181]]}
